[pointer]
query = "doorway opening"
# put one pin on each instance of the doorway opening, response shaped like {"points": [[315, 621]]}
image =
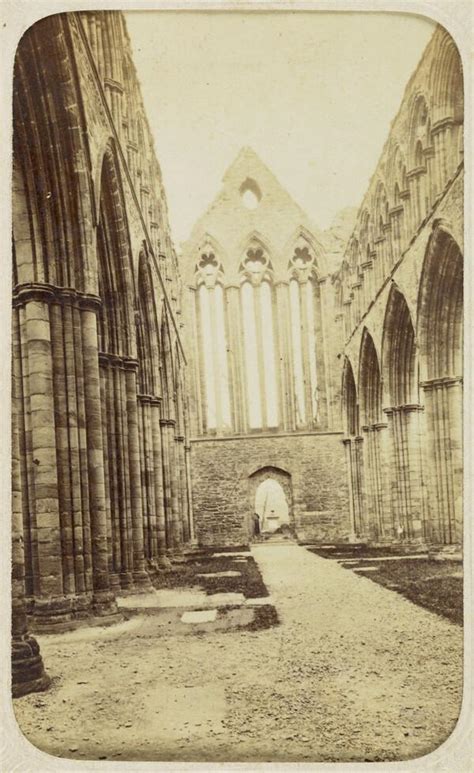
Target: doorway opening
{"points": [[271, 506], [271, 499]]}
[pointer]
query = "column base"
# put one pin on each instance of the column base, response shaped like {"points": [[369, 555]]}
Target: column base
{"points": [[163, 563], [52, 612], [28, 674], [126, 581], [104, 604], [142, 581]]}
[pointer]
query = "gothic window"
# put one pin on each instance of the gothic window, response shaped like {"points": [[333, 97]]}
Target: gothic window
{"points": [[259, 339], [213, 342]]}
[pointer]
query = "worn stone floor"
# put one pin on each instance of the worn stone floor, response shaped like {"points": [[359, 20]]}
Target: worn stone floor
{"points": [[353, 672]]}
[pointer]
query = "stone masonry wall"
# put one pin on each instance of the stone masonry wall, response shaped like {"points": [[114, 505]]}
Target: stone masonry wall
{"points": [[222, 501]]}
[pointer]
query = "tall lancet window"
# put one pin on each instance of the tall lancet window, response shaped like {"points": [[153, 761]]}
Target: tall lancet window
{"points": [[303, 292], [259, 339], [213, 342]]}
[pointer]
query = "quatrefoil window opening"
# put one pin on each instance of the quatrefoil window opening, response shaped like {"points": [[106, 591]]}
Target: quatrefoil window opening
{"points": [[208, 268], [208, 263], [302, 257], [255, 261]]}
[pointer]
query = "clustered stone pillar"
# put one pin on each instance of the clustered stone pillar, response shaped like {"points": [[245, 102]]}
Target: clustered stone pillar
{"points": [[40, 484], [443, 458], [152, 482], [28, 674], [373, 481], [406, 477], [174, 530], [357, 500], [140, 576]]}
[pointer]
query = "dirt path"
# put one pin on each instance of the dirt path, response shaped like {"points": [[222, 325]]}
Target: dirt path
{"points": [[354, 671]]}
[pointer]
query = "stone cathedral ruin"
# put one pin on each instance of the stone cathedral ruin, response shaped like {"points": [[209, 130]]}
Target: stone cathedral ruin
{"points": [[160, 400]]}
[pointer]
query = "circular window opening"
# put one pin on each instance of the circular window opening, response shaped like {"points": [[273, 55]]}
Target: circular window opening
{"points": [[250, 194]]}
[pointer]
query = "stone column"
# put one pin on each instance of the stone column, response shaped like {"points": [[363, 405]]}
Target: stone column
{"points": [[176, 526], [168, 511], [28, 674], [147, 478], [383, 450], [194, 365], [113, 497], [183, 487], [103, 598], [155, 406], [121, 462], [305, 352], [348, 456], [442, 451], [50, 603], [360, 485], [283, 335], [187, 451], [74, 366], [140, 575], [407, 502], [371, 480]]}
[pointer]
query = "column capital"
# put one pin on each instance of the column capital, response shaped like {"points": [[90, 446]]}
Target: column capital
{"points": [[435, 383], [33, 291], [130, 363]]}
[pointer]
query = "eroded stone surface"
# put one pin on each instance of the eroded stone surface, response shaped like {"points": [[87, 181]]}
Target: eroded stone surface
{"points": [[199, 616]]}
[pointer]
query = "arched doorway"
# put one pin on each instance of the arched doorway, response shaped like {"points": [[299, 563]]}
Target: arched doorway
{"points": [[271, 499], [271, 506]]}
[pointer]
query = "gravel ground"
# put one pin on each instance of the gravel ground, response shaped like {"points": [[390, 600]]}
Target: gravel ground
{"points": [[353, 672]]}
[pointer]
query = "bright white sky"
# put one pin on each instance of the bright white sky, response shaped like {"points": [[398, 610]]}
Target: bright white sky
{"points": [[312, 93]]}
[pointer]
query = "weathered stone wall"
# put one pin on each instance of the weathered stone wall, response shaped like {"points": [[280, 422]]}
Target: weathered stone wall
{"points": [[101, 466], [216, 255], [223, 495], [400, 307]]}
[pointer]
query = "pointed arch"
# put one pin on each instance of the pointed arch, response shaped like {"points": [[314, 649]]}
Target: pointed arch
{"points": [[418, 127], [167, 364], [209, 269], [370, 384], [446, 80], [399, 352], [115, 267], [440, 306], [50, 141], [302, 237], [148, 337], [349, 399]]}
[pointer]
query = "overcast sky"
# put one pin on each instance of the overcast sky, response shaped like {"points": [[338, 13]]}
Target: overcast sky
{"points": [[312, 93]]}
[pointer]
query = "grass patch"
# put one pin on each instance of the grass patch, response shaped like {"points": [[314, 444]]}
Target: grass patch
{"points": [[249, 581], [264, 617], [428, 583], [346, 550], [434, 585]]}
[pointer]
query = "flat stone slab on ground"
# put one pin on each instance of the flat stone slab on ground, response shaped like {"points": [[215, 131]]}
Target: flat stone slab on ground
{"points": [[261, 601], [230, 573], [366, 568], [169, 598], [199, 616], [381, 558], [232, 555]]}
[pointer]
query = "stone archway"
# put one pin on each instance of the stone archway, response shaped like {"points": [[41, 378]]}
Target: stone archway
{"points": [[271, 496]]}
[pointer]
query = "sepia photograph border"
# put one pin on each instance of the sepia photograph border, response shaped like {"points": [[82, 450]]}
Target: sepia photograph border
{"points": [[16, 752]]}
